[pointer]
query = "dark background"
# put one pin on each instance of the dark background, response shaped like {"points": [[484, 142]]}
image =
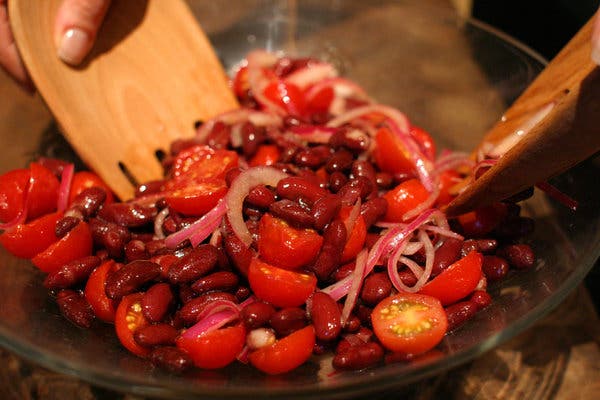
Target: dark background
{"points": [[545, 26]]}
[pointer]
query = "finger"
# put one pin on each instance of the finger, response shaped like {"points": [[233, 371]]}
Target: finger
{"points": [[76, 26], [596, 40], [9, 56]]}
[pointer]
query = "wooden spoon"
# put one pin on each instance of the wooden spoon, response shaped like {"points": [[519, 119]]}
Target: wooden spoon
{"points": [[559, 116], [151, 74]]}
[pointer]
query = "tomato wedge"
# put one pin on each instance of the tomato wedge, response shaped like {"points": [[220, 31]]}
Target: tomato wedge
{"points": [[287, 95], [409, 323], [214, 349], [390, 155], [27, 240], [285, 354], [285, 246], [278, 286], [357, 237], [12, 191], [457, 281], [95, 293], [199, 162], [403, 198], [85, 179], [128, 319], [74, 245], [266, 154], [198, 197], [43, 192]]}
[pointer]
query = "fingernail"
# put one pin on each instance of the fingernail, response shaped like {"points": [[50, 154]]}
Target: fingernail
{"points": [[74, 46]]}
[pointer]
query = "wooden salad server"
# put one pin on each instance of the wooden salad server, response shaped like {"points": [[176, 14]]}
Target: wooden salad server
{"points": [[551, 127], [151, 74]]}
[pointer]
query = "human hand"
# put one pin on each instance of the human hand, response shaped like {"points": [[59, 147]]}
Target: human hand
{"points": [[596, 40], [75, 28]]}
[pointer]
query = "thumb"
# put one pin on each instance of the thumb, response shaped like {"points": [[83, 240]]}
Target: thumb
{"points": [[77, 23]]}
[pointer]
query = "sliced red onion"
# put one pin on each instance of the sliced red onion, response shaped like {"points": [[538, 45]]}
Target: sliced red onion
{"points": [[453, 160], [399, 119], [239, 190], [341, 88], [427, 203], [258, 61], [443, 232], [201, 228], [313, 133], [557, 195], [311, 74], [487, 163], [422, 274], [66, 177], [217, 314], [258, 118], [159, 221], [215, 237], [352, 218], [358, 277]]}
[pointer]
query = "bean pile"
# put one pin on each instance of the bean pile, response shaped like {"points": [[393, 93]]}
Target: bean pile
{"points": [[334, 204]]}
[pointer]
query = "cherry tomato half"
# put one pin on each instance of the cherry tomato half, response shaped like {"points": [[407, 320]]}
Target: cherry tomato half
{"points": [[287, 95], [457, 281], [74, 245], [95, 294], [285, 246], [424, 141], [128, 319], [285, 354], [12, 190], [86, 179], [214, 349], [409, 323], [27, 240], [278, 286], [266, 154], [403, 198], [199, 162], [197, 198], [43, 192], [356, 239], [390, 155]]}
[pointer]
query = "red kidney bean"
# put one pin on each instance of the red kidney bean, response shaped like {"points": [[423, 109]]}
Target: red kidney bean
{"points": [[75, 308], [288, 320], [261, 197], [131, 215], [354, 189], [334, 239], [376, 287], [65, 224], [384, 180], [220, 280], [231, 174], [343, 271], [324, 210], [157, 247], [296, 188], [373, 209], [459, 313], [481, 298], [171, 359], [446, 254], [156, 302], [219, 136], [494, 268], [365, 169], [189, 312], [72, 273], [150, 187], [363, 313], [130, 278], [89, 200], [186, 293], [519, 256], [156, 335], [468, 246], [350, 138], [135, 250], [359, 357], [352, 324], [238, 253], [257, 314], [252, 137], [341, 161], [326, 316], [110, 236], [312, 157], [293, 213], [407, 277], [337, 180], [194, 265]]}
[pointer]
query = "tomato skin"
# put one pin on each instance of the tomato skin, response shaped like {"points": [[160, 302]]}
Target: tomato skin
{"points": [[403, 198], [240, 84], [27, 240], [321, 101], [482, 221], [198, 198], [266, 154], [421, 319], [12, 189], [43, 192], [199, 162], [278, 286], [457, 281], [390, 155], [95, 294], [86, 179], [424, 140], [285, 354], [285, 246], [214, 349], [128, 319], [356, 239], [77, 243], [448, 179], [287, 95]]}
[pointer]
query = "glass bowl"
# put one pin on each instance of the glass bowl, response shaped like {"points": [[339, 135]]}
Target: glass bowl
{"points": [[451, 76]]}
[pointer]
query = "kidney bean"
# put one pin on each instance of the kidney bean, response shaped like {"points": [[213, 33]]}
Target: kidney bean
{"points": [[343, 271], [384, 180], [515, 227], [150, 187], [334, 240], [156, 302], [197, 263], [238, 253], [64, 225], [481, 298], [468, 246], [186, 293], [257, 314], [75, 308], [376, 287], [130, 278], [293, 213], [72, 273], [220, 280], [373, 209], [131, 215], [189, 312], [288, 320], [486, 245], [494, 268], [260, 197], [352, 324], [337, 180], [90, 200], [341, 161], [110, 236], [171, 359], [350, 138], [135, 250], [312, 157], [459, 313], [363, 313], [519, 256], [296, 188], [252, 137], [354, 189], [324, 210], [156, 335], [326, 316], [407, 277], [446, 254], [219, 136], [179, 145], [359, 357], [157, 247], [365, 169]]}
